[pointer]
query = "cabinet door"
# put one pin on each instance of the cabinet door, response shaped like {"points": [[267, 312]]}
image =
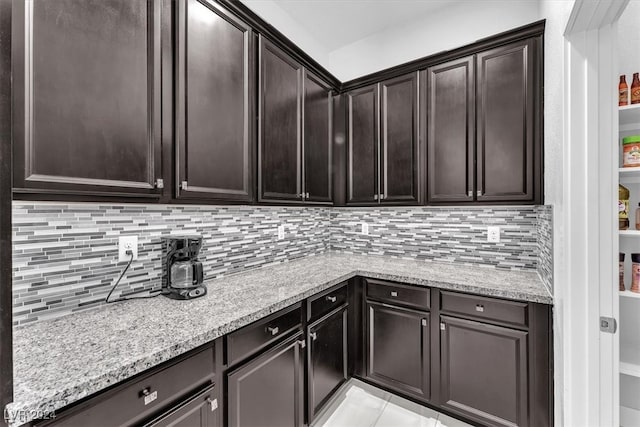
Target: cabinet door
{"points": [[327, 353], [87, 114], [268, 391], [363, 136], [484, 372], [199, 411], [505, 134], [213, 153], [280, 122], [451, 131], [399, 140], [317, 140], [398, 349]]}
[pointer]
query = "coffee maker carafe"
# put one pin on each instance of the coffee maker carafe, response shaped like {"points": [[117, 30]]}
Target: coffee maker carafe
{"points": [[182, 274]]}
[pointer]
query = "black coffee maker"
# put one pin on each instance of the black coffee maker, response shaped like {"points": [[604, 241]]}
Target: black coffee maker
{"points": [[182, 274]]}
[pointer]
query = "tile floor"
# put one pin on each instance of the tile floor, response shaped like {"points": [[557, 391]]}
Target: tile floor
{"points": [[361, 405]]}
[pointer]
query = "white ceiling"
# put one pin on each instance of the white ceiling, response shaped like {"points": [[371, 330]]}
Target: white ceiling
{"points": [[337, 23]]}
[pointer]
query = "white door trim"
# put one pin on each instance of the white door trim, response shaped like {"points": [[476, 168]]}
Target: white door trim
{"points": [[588, 359]]}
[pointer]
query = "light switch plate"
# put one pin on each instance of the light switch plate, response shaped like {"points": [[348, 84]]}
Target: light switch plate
{"points": [[493, 234], [281, 232], [126, 243]]}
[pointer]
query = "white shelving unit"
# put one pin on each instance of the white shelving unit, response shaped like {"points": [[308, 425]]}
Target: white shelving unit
{"points": [[629, 317]]}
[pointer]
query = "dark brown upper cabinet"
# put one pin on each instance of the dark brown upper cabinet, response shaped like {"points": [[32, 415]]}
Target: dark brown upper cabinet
{"points": [[363, 136], [280, 134], [383, 143], [318, 140], [89, 121], [506, 123], [399, 153], [294, 132], [214, 77], [483, 127], [451, 131]]}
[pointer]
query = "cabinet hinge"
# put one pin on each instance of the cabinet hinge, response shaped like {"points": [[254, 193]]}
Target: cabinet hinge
{"points": [[184, 185], [160, 183], [608, 324], [424, 322], [302, 343], [442, 326]]}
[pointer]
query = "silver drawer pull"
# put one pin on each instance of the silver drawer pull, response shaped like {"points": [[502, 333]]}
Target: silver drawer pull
{"points": [[394, 293], [480, 308], [213, 403], [148, 395], [273, 329], [331, 298]]}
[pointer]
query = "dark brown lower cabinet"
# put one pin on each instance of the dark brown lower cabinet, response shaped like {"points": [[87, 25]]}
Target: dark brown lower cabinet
{"points": [[327, 356], [198, 411], [483, 372], [268, 390], [398, 346]]}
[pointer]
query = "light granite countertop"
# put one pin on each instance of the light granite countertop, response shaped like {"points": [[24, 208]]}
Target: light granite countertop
{"points": [[60, 361]]}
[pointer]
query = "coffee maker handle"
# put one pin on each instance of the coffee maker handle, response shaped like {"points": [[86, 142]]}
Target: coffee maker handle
{"points": [[198, 275]]}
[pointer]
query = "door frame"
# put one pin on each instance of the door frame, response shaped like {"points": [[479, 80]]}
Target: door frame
{"points": [[6, 337], [587, 360]]}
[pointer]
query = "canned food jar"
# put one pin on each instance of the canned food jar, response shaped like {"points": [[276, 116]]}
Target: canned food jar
{"points": [[631, 151]]}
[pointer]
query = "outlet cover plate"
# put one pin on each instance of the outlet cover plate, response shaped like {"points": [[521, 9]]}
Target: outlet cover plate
{"points": [[493, 234], [125, 243], [364, 228], [281, 232]]}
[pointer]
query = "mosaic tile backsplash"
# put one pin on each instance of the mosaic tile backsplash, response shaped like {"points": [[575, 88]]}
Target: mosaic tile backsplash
{"points": [[65, 255]]}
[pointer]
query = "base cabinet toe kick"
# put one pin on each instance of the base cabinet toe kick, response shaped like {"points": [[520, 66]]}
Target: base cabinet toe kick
{"points": [[484, 360]]}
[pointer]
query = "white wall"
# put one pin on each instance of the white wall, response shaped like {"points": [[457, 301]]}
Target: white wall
{"points": [[629, 41], [556, 13], [281, 20], [445, 29]]}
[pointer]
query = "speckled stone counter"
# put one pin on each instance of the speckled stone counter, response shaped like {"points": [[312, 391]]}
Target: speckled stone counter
{"points": [[60, 361]]}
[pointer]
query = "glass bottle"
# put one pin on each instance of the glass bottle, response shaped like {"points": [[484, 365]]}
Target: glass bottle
{"points": [[623, 91], [623, 207], [635, 89]]}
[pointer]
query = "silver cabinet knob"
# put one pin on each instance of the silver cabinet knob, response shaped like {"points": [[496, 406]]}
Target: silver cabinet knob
{"points": [[480, 308], [331, 298], [273, 329], [394, 293]]}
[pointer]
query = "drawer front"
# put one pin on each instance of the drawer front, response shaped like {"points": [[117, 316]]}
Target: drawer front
{"points": [[327, 302], [256, 336], [483, 308], [411, 296], [145, 396]]}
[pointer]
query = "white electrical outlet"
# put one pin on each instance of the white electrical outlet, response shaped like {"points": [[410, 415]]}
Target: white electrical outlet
{"points": [[281, 232], [127, 243], [364, 228], [493, 234]]}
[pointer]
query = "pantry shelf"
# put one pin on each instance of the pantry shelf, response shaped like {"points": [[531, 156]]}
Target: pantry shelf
{"points": [[630, 369], [629, 233], [629, 175], [629, 117], [629, 294]]}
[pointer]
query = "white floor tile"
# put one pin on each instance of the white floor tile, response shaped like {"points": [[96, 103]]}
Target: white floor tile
{"points": [[447, 421], [358, 409], [394, 416]]}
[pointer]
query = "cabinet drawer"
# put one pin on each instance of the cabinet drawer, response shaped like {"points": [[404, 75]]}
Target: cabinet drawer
{"points": [[323, 304], [256, 336], [126, 406], [411, 296], [510, 312]]}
